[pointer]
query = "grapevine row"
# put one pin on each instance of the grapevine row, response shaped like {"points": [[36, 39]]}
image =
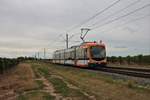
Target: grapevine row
{"points": [[6, 63]]}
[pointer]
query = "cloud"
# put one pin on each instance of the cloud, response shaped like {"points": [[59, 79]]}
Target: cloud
{"points": [[28, 26]]}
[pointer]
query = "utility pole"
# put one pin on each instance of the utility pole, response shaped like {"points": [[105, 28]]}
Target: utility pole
{"points": [[44, 53], [38, 55], [35, 56], [67, 41]]}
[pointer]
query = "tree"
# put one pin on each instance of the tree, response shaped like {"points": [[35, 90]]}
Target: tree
{"points": [[120, 59], [128, 58], [140, 57]]}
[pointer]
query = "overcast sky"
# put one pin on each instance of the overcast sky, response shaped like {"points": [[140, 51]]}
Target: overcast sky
{"points": [[28, 26]]}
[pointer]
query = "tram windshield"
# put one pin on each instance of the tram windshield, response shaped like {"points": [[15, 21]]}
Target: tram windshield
{"points": [[98, 52]]}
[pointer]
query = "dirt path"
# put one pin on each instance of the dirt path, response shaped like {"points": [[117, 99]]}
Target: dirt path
{"points": [[24, 81], [21, 81], [74, 87], [16, 81], [48, 87]]}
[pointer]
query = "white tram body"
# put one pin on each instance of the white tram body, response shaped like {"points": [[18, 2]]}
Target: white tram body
{"points": [[88, 54]]}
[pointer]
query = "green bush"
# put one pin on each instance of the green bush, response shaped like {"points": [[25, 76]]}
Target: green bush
{"points": [[6, 64], [139, 59]]}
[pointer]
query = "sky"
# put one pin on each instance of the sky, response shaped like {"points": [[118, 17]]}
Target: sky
{"points": [[29, 26]]}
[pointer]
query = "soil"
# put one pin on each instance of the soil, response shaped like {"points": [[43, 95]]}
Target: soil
{"points": [[17, 80], [21, 80]]}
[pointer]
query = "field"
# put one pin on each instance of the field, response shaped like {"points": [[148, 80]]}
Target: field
{"points": [[34, 80], [6, 64]]}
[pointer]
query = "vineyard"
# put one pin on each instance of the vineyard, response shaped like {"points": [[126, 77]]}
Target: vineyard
{"points": [[6, 64], [138, 59]]}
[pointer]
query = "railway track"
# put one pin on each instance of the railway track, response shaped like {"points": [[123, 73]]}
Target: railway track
{"points": [[136, 72]]}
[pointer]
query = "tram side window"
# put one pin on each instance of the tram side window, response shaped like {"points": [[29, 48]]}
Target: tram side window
{"points": [[85, 54], [55, 56], [78, 53], [72, 54], [81, 53], [62, 55], [67, 55], [58, 55]]}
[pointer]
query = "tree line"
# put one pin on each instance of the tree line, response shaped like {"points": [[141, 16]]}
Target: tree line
{"points": [[7, 63], [139, 59]]}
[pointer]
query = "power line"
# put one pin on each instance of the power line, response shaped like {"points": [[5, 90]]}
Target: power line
{"points": [[95, 15], [131, 21], [117, 12], [111, 20], [73, 35], [61, 36], [131, 4], [91, 18], [120, 17], [57, 38]]}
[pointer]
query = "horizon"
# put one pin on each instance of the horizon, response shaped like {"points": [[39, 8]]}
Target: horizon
{"points": [[27, 27]]}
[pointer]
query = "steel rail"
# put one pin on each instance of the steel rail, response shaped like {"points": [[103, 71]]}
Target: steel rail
{"points": [[136, 72], [131, 69], [143, 73]]}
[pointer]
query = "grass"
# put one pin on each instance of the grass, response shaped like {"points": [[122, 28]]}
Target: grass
{"points": [[40, 70], [40, 84], [48, 97], [36, 95], [21, 97], [96, 75], [23, 77], [61, 87], [94, 83], [140, 88], [37, 75], [44, 71]]}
